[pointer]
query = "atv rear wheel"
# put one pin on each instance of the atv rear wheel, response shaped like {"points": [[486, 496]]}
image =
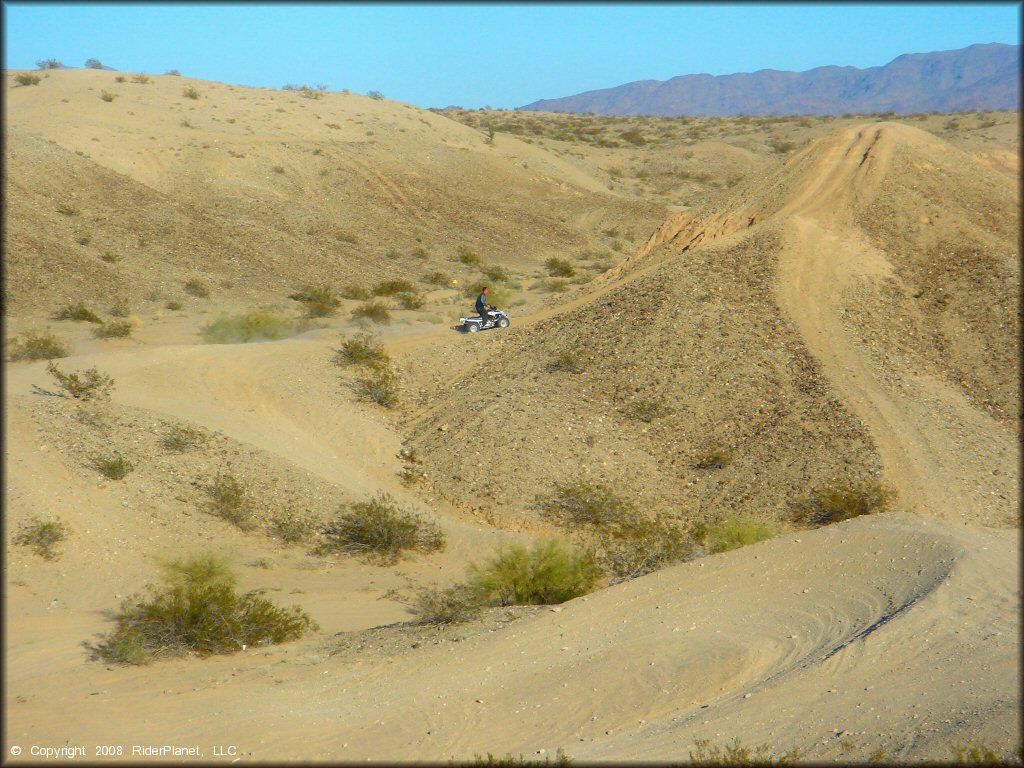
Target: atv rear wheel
{"points": [[472, 327]]}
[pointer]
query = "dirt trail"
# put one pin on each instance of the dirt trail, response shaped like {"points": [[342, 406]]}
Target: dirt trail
{"points": [[938, 450]]}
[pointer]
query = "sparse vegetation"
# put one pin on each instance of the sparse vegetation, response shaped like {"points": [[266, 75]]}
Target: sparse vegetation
{"points": [[197, 611], [734, 531], [738, 754], [83, 385], [140, 78], [120, 308], [835, 503], [189, 92], [107, 96], [372, 310], [380, 529], [182, 437], [452, 605], [229, 501], [716, 457], [549, 572], [113, 467], [578, 503], [113, 329], [560, 267], [379, 385], [646, 410], [37, 345], [198, 289], [467, 257], [568, 360], [174, 305], [49, 64], [439, 279], [393, 287], [508, 761], [252, 325], [320, 301], [362, 349], [42, 536], [355, 292], [377, 95], [27, 78], [93, 64], [410, 300], [292, 526]]}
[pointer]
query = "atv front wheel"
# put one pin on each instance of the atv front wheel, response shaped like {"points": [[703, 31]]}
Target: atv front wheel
{"points": [[503, 322]]}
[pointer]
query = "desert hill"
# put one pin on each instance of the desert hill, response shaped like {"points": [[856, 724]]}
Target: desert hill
{"points": [[757, 308], [984, 76]]}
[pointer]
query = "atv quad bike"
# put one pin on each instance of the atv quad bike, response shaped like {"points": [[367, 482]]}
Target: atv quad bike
{"points": [[497, 317]]}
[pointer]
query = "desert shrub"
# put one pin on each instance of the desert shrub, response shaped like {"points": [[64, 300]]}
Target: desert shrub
{"points": [[410, 300], [182, 437], [636, 545], [380, 386], [49, 64], [453, 605], [67, 209], [835, 503], [646, 410], [93, 64], [579, 502], [190, 92], [467, 257], [197, 611], [411, 475], [436, 278], [140, 78], [738, 754], [380, 529], [375, 95], [42, 536], [345, 237], [782, 147], [734, 531], [361, 349], [174, 305], [110, 258], [496, 273], [83, 239], [420, 253], [559, 267], [356, 292], [633, 136], [173, 72], [252, 325], [392, 287], [508, 761], [37, 345], [27, 78], [552, 285], [982, 754], [114, 329], [320, 301], [120, 308], [548, 572], [372, 310], [107, 96], [83, 385], [291, 526], [713, 458], [568, 360], [229, 501], [197, 288], [113, 467]]}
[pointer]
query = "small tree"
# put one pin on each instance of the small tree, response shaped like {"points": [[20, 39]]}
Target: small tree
{"points": [[49, 64], [94, 64]]}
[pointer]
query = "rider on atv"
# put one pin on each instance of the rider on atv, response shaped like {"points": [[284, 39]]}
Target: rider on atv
{"points": [[482, 307]]}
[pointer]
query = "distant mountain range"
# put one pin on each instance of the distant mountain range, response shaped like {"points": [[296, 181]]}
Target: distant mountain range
{"points": [[977, 77]]}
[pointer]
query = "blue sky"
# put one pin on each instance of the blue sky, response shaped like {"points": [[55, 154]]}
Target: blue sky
{"points": [[472, 55]]}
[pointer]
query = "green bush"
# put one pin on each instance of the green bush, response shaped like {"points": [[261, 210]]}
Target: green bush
{"points": [[197, 611], [114, 467], [497, 274], [113, 329], [362, 349], [735, 531], [439, 279], [252, 325], [27, 78], [229, 501], [356, 292], [410, 300], [579, 502], [454, 605], [78, 312], [373, 310], [835, 503], [380, 386], [84, 385], [197, 288], [381, 529], [392, 287], [559, 267], [548, 572], [291, 526], [468, 258], [42, 536], [37, 345], [181, 437], [320, 301]]}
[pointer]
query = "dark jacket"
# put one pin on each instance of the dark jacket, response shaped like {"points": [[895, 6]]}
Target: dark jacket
{"points": [[481, 303]]}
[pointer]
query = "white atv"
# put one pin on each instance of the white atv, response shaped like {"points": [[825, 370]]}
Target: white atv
{"points": [[495, 317]]}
